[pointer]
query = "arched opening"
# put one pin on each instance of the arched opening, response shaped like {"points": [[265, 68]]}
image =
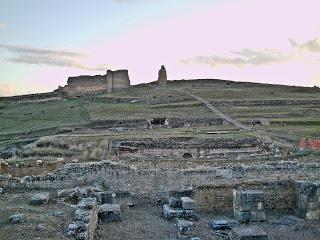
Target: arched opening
{"points": [[187, 155]]}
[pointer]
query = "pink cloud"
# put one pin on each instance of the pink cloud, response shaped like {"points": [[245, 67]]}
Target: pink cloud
{"points": [[7, 90]]}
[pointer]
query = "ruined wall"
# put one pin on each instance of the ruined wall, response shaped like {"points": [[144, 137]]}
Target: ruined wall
{"points": [[279, 195], [113, 80], [157, 184], [120, 79], [85, 84]]}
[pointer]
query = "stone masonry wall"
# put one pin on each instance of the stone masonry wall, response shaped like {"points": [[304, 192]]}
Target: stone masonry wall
{"points": [[278, 194], [156, 184]]}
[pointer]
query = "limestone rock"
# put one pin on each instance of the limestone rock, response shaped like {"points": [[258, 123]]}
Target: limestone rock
{"points": [[185, 227], [187, 203], [220, 225], [16, 218], [57, 214], [174, 202], [171, 213], [40, 198]]}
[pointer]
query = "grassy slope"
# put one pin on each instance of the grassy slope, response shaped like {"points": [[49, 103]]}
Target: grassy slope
{"points": [[23, 117]]}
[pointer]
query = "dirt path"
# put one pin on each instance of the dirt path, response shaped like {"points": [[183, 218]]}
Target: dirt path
{"points": [[260, 133], [216, 111]]}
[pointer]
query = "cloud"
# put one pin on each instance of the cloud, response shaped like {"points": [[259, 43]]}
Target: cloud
{"points": [[2, 25], [7, 90], [48, 57], [305, 52], [242, 57], [312, 45]]}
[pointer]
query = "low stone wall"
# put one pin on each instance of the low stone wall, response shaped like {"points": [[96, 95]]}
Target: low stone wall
{"points": [[267, 102], [278, 194], [157, 183]]}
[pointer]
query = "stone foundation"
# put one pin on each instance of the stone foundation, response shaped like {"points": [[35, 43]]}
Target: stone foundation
{"points": [[308, 200]]}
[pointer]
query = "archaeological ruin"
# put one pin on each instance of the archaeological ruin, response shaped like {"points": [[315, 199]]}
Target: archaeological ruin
{"points": [[162, 76], [199, 159], [113, 80]]}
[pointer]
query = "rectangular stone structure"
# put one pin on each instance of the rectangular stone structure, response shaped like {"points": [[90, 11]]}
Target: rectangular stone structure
{"points": [[187, 203], [171, 213], [308, 200], [248, 206]]}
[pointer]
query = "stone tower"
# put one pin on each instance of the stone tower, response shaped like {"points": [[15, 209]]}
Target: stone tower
{"points": [[117, 80], [162, 78]]}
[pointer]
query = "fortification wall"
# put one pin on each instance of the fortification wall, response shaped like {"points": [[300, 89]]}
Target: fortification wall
{"points": [[113, 80], [120, 79]]}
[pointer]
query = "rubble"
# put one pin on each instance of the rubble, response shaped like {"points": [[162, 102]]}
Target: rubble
{"points": [[16, 218], [184, 208], [39, 198]]}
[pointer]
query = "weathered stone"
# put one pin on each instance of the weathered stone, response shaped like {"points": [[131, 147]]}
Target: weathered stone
{"points": [[248, 206], [16, 218], [72, 229], [187, 203], [174, 202], [1, 190], [87, 203], [171, 213], [40, 198], [220, 225], [162, 77], [106, 197], [185, 227], [82, 215], [57, 214], [247, 233], [258, 216], [308, 200], [313, 215], [109, 213], [242, 217]]}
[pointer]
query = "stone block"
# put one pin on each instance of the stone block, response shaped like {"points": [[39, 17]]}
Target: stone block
{"points": [[107, 197], [171, 213], [174, 202], [220, 225], [307, 188], [16, 218], [258, 216], [39, 198], [313, 215], [242, 217], [109, 213], [247, 233], [187, 203], [185, 227], [82, 215], [87, 203]]}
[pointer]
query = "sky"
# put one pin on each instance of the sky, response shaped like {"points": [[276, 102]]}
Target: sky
{"points": [[43, 42]]}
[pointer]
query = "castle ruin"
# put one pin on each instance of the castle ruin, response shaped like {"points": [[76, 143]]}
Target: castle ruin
{"points": [[162, 77], [113, 80]]}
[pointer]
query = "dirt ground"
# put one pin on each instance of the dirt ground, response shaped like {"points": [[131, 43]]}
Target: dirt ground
{"points": [[143, 221], [37, 222], [146, 222]]}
